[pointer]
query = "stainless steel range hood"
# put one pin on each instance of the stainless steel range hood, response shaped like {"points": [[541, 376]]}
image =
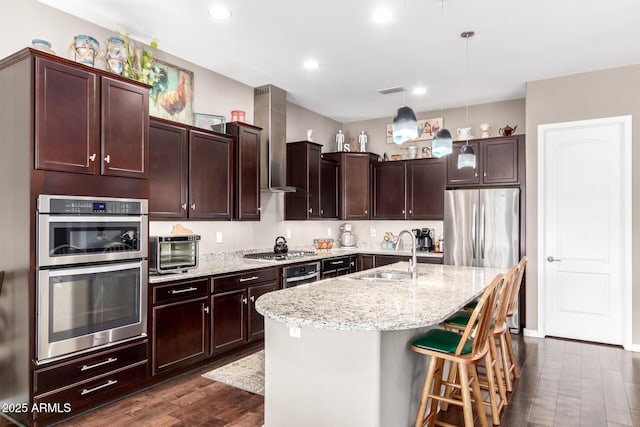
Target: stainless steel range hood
{"points": [[270, 113]]}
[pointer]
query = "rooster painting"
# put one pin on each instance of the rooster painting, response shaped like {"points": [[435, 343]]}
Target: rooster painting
{"points": [[171, 96]]}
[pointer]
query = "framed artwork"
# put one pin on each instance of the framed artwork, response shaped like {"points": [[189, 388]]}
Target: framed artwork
{"points": [[427, 129], [172, 96], [209, 122]]}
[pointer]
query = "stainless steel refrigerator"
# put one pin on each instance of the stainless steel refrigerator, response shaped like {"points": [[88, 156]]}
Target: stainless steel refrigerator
{"points": [[481, 228]]}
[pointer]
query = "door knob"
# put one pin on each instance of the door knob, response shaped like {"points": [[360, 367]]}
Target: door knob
{"points": [[552, 259]]}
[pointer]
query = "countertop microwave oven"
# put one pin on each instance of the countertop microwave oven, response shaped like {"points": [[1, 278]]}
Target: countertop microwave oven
{"points": [[173, 254]]}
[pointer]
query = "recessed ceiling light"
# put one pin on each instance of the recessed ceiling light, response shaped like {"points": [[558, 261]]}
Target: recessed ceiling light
{"points": [[220, 12], [419, 90], [311, 64], [382, 15]]}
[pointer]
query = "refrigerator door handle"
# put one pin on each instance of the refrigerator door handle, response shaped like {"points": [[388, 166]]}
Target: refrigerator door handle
{"points": [[473, 230], [482, 231]]}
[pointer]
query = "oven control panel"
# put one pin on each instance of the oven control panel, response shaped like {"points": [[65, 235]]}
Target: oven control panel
{"points": [[91, 205]]}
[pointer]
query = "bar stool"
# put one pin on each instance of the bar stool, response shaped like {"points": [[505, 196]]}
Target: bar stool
{"points": [[510, 363], [463, 353], [494, 371]]}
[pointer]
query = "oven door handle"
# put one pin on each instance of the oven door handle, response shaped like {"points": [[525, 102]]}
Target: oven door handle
{"points": [[301, 278]]}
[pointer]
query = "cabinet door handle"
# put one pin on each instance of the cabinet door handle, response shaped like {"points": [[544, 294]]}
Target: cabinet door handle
{"points": [[310, 210], [353, 263], [366, 211], [205, 309], [410, 211], [96, 365], [184, 206], [252, 298], [91, 390], [182, 291], [260, 209], [484, 174], [92, 157], [321, 211], [244, 300], [476, 174], [246, 279], [107, 159], [193, 206], [403, 212]]}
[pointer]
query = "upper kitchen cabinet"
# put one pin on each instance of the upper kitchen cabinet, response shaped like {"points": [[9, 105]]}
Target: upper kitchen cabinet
{"points": [[412, 189], [191, 172], [84, 119], [303, 173], [499, 161], [247, 171], [353, 183], [328, 188]]}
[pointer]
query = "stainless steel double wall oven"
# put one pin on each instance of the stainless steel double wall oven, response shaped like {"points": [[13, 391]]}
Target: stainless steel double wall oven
{"points": [[92, 273]]}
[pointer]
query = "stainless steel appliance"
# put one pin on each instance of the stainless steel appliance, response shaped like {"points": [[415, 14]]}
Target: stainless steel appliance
{"points": [[92, 273], [300, 274], [481, 228], [172, 254], [425, 239]]}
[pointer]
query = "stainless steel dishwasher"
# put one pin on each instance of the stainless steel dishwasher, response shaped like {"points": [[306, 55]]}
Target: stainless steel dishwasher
{"points": [[300, 274]]}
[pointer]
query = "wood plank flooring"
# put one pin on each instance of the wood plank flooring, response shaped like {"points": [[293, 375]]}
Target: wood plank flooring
{"points": [[563, 383]]}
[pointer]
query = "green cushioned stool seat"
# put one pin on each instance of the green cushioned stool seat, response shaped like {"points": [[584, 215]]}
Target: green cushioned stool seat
{"points": [[471, 305], [443, 341], [461, 318]]}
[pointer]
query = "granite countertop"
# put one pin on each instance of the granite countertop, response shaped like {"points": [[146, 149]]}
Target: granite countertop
{"points": [[349, 303], [236, 263]]}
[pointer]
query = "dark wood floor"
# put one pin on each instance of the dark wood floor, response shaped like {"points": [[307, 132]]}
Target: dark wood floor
{"points": [[563, 383]]}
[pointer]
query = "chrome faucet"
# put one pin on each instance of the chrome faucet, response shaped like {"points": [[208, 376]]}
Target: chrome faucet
{"points": [[413, 262]]}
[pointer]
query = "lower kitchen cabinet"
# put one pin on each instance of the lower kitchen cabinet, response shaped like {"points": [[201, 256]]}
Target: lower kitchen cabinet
{"points": [[368, 261], [235, 321], [181, 324], [339, 266]]}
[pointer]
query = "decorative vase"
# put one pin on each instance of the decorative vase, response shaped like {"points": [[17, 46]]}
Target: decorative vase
{"points": [[42, 45], [85, 49], [116, 55]]}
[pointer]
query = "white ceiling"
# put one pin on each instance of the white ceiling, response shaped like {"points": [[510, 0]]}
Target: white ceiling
{"points": [[266, 41]]}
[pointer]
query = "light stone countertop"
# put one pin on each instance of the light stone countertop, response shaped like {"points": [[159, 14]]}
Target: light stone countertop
{"points": [[236, 263], [349, 303]]}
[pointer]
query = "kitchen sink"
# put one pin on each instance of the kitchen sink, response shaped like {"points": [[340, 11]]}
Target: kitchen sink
{"points": [[385, 276]]}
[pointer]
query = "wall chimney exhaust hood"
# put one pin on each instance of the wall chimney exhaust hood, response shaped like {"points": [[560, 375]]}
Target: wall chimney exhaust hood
{"points": [[270, 113]]}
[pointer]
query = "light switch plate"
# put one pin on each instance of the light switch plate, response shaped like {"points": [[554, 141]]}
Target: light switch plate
{"points": [[218, 236], [372, 231], [288, 233]]}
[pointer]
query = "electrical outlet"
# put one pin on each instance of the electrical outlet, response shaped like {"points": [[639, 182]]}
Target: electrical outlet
{"points": [[294, 332], [218, 236], [288, 233], [329, 232], [372, 231]]}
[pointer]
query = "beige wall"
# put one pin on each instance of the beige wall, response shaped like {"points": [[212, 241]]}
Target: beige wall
{"points": [[607, 93], [299, 119], [497, 114]]}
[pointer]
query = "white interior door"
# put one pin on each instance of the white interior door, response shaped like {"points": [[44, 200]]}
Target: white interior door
{"points": [[582, 229]]}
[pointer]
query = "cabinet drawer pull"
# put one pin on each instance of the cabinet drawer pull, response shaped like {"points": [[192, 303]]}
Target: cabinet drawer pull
{"points": [[92, 157], [336, 262], [184, 206], [246, 279], [181, 291], [95, 365], [100, 387], [107, 159]]}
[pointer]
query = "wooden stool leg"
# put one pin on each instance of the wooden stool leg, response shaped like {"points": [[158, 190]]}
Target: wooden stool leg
{"points": [[451, 378], [499, 371], [495, 411], [426, 389], [512, 356], [466, 395], [505, 362], [475, 385]]}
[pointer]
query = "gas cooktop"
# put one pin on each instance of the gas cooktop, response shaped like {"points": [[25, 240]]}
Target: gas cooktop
{"points": [[272, 256]]}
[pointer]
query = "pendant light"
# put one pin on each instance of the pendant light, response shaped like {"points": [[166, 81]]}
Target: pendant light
{"points": [[442, 144], [405, 124], [467, 155]]}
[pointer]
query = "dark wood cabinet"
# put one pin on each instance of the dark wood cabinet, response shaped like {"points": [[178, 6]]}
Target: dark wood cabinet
{"points": [[353, 184], [247, 170], [328, 188], [168, 170], [210, 176], [338, 266], [191, 173], [411, 189], [235, 321], [180, 324], [303, 173], [368, 261], [78, 127], [498, 162]]}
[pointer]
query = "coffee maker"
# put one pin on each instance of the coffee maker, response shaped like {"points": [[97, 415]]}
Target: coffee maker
{"points": [[425, 239]]}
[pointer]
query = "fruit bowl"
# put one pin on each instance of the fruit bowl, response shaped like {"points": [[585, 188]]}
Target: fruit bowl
{"points": [[323, 244]]}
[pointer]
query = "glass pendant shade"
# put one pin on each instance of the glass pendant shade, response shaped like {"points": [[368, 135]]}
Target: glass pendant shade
{"points": [[466, 157], [405, 125], [442, 144]]}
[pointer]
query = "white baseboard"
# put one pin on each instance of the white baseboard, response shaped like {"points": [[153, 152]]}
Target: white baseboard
{"points": [[532, 333]]}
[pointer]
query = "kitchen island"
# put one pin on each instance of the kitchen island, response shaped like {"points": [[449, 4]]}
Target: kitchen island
{"points": [[337, 352]]}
